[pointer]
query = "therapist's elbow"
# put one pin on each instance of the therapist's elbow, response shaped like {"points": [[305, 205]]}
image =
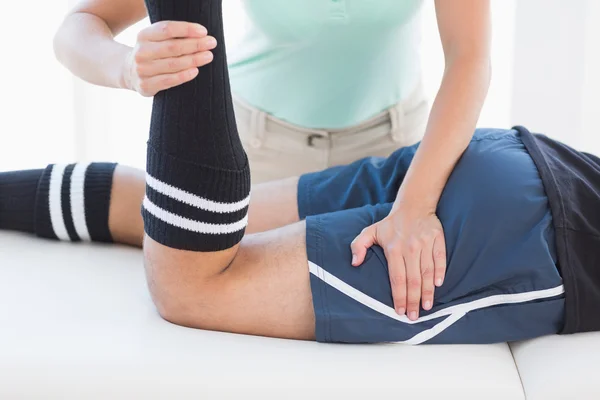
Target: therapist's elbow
{"points": [[73, 36], [478, 59], [58, 44], [472, 65], [62, 42]]}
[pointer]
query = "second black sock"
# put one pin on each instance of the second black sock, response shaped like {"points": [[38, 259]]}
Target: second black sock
{"points": [[64, 202]]}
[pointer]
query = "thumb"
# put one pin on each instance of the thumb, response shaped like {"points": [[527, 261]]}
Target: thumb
{"points": [[362, 243]]}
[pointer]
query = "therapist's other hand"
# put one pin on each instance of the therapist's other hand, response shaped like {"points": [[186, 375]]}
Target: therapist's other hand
{"points": [[167, 54], [415, 249]]}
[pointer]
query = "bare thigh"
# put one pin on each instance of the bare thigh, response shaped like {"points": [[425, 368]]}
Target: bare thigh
{"points": [[264, 291], [273, 205]]}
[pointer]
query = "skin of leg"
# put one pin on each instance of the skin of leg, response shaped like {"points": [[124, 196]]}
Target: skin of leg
{"points": [[124, 218], [272, 205], [261, 287]]}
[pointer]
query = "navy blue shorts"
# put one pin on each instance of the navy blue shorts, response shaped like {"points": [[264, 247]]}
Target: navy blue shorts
{"points": [[502, 282]]}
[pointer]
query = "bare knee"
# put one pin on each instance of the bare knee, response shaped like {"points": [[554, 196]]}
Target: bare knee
{"points": [[183, 284], [164, 288]]}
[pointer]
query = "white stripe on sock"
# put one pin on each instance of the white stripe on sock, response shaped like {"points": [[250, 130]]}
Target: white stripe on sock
{"points": [[455, 312], [192, 225], [55, 203], [193, 200], [77, 192]]}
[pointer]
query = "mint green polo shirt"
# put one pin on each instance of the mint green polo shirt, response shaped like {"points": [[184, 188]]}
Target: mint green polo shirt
{"points": [[327, 63]]}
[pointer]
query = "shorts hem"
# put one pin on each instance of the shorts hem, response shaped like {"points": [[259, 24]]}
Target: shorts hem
{"points": [[314, 248], [304, 197]]}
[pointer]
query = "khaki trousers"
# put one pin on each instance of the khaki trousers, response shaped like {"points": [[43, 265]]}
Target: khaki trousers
{"points": [[277, 149]]}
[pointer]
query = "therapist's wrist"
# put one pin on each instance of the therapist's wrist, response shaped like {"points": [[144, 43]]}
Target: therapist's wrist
{"points": [[125, 71], [415, 204], [419, 193]]}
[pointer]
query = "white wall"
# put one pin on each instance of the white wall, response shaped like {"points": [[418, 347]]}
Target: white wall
{"points": [[36, 115], [591, 82], [496, 110], [556, 79], [113, 124], [549, 66]]}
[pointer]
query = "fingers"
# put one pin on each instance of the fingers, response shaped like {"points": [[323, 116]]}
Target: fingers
{"points": [[412, 259], [165, 30], [149, 51], [174, 64], [168, 54], [155, 84], [427, 275], [362, 243], [416, 262], [397, 272], [439, 259]]}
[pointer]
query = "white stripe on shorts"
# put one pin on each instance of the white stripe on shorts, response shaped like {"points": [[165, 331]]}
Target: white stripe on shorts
{"points": [[454, 313]]}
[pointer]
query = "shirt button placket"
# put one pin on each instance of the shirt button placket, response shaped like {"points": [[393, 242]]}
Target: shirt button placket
{"points": [[338, 10]]}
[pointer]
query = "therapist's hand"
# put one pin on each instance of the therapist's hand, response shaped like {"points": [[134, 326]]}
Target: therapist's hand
{"points": [[415, 249], [167, 54]]}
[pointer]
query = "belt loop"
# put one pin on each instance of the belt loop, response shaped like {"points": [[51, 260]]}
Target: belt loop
{"points": [[257, 127], [397, 121]]}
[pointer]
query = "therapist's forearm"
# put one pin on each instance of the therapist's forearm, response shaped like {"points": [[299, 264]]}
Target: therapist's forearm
{"points": [[450, 128], [86, 46]]}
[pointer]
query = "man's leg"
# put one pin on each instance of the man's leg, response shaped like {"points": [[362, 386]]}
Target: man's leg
{"points": [[272, 205], [22, 199]]}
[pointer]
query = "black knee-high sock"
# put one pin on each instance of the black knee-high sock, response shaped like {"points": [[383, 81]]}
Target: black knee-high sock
{"points": [[198, 180], [65, 202], [17, 199]]}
